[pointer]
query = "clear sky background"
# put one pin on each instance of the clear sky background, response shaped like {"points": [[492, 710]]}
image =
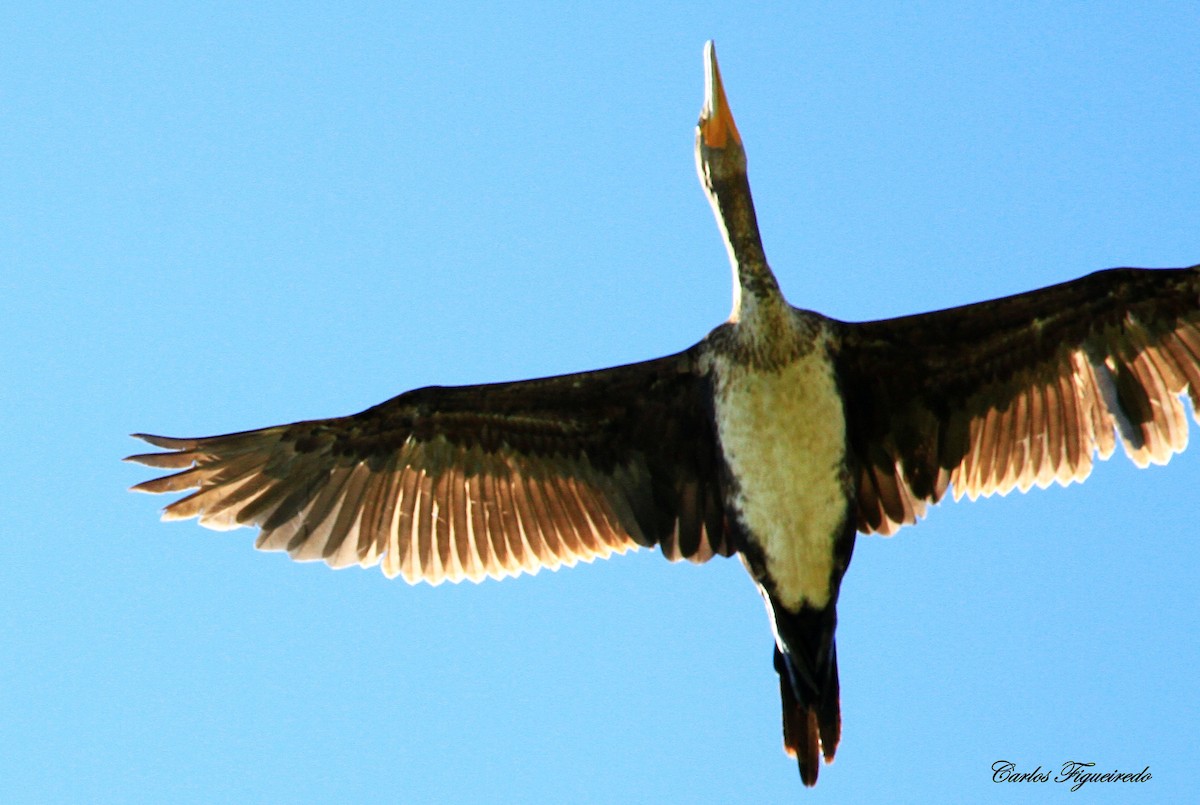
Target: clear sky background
{"points": [[221, 218]]}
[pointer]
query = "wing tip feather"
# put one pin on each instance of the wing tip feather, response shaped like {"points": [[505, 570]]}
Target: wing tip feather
{"points": [[166, 442]]}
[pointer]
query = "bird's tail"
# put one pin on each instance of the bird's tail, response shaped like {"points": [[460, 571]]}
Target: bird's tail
{"points": [[811, 698]]}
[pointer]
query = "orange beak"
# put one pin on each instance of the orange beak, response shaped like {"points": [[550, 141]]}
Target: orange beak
{"points": [[716, 120]]}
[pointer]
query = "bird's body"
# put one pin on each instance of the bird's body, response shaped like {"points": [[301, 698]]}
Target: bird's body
{"points": [[778, 437], [782, 433]]}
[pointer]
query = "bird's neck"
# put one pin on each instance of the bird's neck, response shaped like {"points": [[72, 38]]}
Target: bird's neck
{"points": [[757, 300]]}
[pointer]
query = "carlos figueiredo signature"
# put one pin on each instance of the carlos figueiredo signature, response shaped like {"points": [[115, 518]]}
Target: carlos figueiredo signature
{"points": [[1075, 772]]}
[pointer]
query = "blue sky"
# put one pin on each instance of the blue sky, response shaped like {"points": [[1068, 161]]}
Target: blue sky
{"points": [[220, 218]]}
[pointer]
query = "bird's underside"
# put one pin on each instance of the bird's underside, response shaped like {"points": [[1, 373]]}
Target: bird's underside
{"points": [[708, 452]]}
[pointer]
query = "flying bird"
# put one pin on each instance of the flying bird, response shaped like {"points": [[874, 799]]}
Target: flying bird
{"points": [[778, 438]]}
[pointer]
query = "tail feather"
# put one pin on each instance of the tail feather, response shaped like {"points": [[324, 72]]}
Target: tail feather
{"points": [[811, 727], [829, 714], [806, 661]]}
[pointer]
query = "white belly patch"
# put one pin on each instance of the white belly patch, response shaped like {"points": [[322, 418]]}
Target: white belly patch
{"points": [[784, 436]]}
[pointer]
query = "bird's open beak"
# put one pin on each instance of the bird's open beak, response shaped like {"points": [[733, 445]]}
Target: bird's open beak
{"points": [[716, 120]]}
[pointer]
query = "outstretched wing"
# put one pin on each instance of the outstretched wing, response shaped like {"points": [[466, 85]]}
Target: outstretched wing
{"points": [[473, 481], [1020, 391]]}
